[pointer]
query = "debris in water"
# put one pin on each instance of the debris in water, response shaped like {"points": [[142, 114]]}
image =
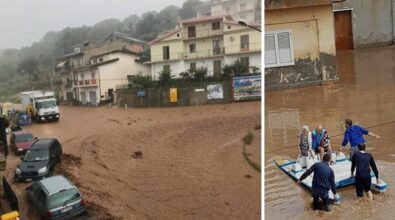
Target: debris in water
{"points": [[137, 154]]}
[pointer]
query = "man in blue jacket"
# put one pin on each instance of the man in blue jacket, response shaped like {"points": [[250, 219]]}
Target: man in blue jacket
{"points": [[363, 161], [354, 135], [323, 181]]}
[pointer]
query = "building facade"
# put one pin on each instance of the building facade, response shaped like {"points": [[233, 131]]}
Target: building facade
{"points": [[209, 42], [299, 43], [248, 10], [364, 23], [93, 72]]}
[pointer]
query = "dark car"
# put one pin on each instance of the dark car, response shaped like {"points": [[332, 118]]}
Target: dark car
{"points": [[21, 141], [39, 161], [56, 198]]}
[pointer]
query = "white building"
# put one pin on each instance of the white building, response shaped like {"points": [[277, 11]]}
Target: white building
{"points": [[209, 42], [248, 10]]}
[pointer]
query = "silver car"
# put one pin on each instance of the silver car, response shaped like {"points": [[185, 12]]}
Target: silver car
{"points": [[56, 198]]}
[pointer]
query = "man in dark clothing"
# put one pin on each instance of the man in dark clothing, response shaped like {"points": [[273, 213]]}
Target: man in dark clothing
{"points": [[363, 161], [323, 181], [4, 123], [354, 135]]}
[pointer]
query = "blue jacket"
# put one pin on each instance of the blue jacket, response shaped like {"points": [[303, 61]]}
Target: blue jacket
{"points": [[323, 179], [354, 135], [317, 138]]}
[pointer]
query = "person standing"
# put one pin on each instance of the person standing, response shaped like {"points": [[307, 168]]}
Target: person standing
{"points": [[305, 145], [323, 181], [4, 123], [354, 135], [362, 161]]}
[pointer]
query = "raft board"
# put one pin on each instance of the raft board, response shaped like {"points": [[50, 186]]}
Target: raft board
{"points": [[341, 169]]}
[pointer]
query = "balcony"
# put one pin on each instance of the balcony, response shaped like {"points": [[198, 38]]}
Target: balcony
{"points": [[204, 54], [237, 49], [187, 35], [159, 57], [85, 83]]}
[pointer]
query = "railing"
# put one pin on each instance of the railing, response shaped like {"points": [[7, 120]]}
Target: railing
{"points": [[93, 81], [75, 82], [81, 82], [87, 81], [204, 53], [202, 33], [252, 47], [159, 57]]}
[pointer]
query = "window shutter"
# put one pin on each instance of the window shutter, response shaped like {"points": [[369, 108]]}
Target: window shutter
{"points": [[270, 50], [284, 47]]}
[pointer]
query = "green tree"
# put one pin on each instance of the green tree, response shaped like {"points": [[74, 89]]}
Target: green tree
{"points": [[165, 77], [200, 73], [188, 9]]}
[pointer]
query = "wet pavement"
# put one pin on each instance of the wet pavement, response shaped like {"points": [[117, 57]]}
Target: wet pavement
{"points": [[365, 93]]}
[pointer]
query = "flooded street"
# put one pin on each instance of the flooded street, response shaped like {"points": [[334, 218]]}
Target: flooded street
{"points": [[365, 93], [191, 167]]}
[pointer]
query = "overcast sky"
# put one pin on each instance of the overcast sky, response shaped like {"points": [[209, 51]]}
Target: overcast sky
{"points": [[24, 21]]}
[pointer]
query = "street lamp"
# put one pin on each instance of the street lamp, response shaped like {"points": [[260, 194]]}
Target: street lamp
{"points": [[244, 23]]}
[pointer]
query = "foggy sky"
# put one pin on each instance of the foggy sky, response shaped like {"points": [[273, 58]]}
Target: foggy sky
{"points": [[24, 21]]}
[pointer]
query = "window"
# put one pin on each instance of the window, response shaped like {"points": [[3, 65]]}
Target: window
{"points": [[82, 76], [166, 52], [246, 63], [227, 10], [192, 67], [101, 59], [166, 67], [217, 67], [278, 49], [244, 42], [216, 25], [93, 75], [192, 48], [216, 47], [94, 61], [191, 31]]}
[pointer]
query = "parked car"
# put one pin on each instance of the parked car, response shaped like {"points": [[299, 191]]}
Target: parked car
{"points": [[39, 161], [56, 198], [21, 141]]}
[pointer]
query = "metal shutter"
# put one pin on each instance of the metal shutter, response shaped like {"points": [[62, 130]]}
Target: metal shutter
{"points": [[284, 47], [270, 49]]}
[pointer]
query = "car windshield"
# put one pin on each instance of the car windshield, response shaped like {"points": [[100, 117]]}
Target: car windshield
{"points": [[23, 137], [47, 104], [36, 155], [63, 197]]}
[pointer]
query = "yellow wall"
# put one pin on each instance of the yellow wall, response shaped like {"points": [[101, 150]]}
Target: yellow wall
{"points": [[312, 30], [309, 23]]}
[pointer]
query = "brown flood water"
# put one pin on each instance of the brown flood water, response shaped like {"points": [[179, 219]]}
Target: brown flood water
{"points": [[365, 93]]}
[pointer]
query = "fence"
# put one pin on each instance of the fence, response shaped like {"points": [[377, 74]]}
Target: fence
{"points": [[197, 93]]}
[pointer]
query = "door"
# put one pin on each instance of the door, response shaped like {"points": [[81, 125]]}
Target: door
{"points": [[69, 96], [111, 95], [92, 97], [343, 30], [83, 97]]}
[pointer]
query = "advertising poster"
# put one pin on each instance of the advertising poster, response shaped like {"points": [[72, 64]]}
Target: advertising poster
{"points": [[215, 92], [247, 87], [173, 94]]}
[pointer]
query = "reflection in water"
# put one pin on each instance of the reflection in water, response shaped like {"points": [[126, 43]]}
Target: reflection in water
{"points": [[366, 94]]}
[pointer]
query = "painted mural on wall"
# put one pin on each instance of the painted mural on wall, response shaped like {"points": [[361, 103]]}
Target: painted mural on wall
{"points": [[215, 92], [247, 87]]}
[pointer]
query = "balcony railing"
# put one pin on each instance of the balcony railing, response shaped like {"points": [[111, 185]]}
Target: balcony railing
{"points": [[159, 57], [81, 82], [204, 53], [93, 81], [201, 33], [84, 83]]}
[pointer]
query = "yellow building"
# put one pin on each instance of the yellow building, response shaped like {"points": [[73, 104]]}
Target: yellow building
{"points": [[299, 43], [209, 42]]}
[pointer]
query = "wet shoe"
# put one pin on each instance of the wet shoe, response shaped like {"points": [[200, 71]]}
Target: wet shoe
{"points": [[327, 209]]}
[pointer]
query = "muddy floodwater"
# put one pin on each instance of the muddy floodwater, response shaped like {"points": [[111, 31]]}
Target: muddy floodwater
{"points": [[365, 93]]}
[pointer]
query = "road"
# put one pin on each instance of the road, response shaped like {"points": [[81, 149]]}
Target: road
{"points": [[191, 166]]}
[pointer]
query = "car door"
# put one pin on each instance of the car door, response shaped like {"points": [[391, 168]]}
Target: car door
{"points": [[37, 197]]}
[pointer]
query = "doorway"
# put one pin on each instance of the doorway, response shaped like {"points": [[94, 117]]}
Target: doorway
{"points": [[343, 30]]}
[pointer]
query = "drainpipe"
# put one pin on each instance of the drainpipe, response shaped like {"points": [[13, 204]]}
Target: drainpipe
{"points": [[98, 73]]}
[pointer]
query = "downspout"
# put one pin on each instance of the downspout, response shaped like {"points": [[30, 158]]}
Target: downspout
{"points": [[98, 71]]}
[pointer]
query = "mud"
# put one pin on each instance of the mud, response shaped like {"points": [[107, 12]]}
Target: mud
{"points": [[191, 164], [365, 93]]}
